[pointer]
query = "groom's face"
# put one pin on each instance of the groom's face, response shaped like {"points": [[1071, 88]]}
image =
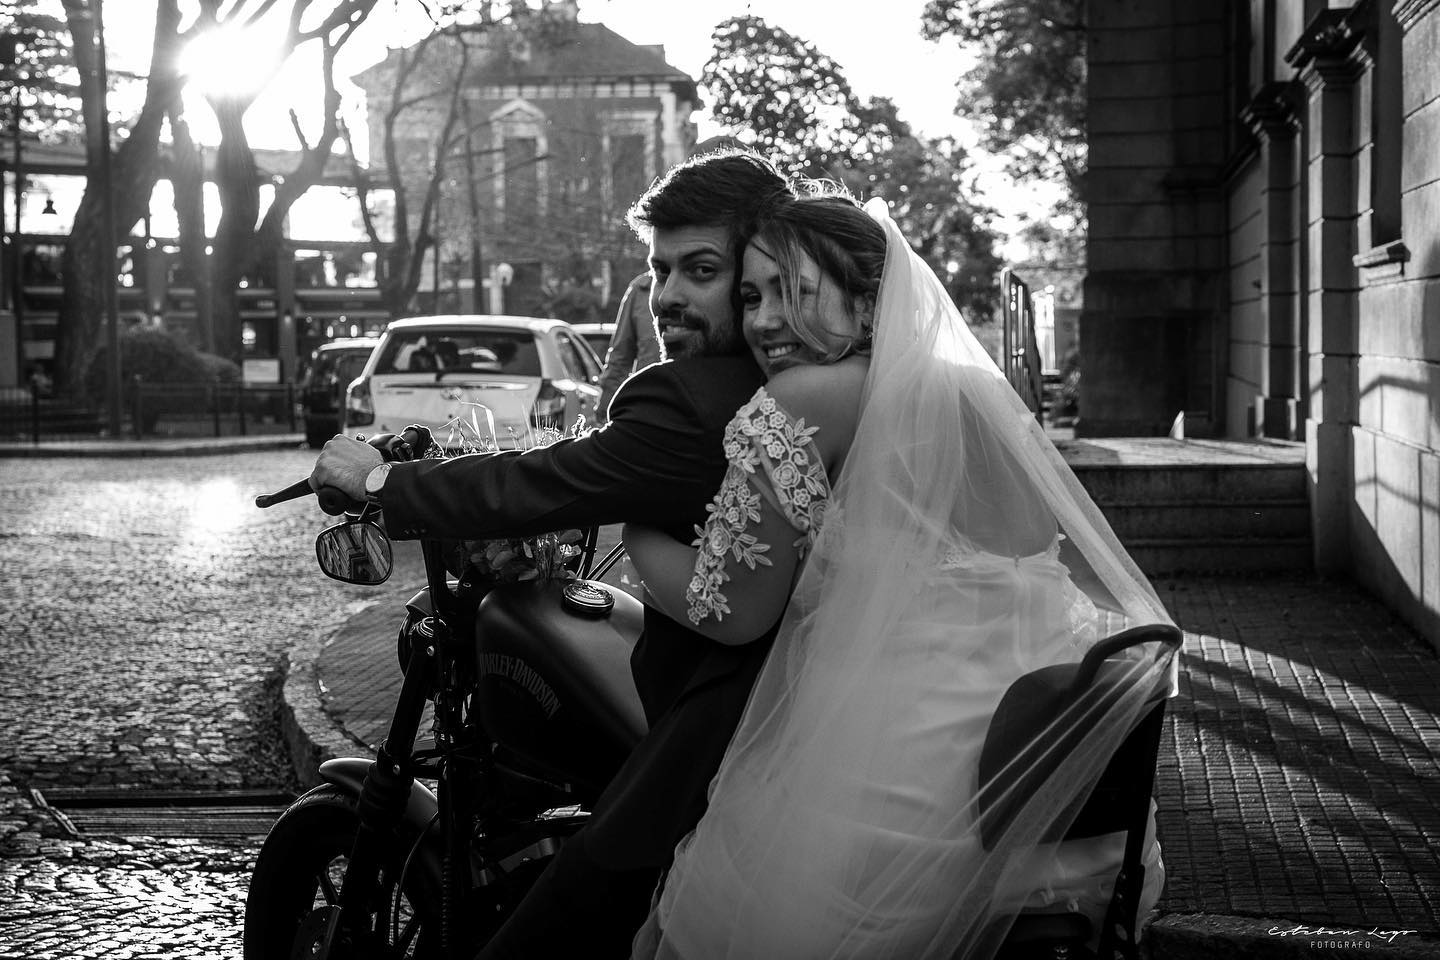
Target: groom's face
{"points": [[691, 296]]}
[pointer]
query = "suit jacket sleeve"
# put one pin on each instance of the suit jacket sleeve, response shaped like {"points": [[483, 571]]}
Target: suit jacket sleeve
{"points": [[657, 461], [621, 355]]}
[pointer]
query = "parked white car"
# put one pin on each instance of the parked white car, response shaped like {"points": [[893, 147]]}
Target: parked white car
{"points": [[504, 377], [598, 336]]}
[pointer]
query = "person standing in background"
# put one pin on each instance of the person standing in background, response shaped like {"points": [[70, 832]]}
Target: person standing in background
{"points": [[633, 345]]}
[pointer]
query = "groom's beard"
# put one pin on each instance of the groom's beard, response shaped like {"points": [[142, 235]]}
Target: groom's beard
{"points": [[684, 334]]}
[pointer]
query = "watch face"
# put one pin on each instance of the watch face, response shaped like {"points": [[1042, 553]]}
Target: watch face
{"points": [[375, 479]]}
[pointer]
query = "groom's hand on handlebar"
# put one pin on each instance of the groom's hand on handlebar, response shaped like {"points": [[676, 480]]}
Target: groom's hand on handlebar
{"points": [[344, 463]]}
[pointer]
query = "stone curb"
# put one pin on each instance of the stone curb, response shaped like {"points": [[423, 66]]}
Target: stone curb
{"points": [[156, 448], [312, 735]]}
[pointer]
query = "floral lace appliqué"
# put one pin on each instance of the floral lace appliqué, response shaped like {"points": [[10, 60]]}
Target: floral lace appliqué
{"points": [[760, 438]]}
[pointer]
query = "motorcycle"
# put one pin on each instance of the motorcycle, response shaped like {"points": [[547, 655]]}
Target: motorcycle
{"points": [[424, 851]]}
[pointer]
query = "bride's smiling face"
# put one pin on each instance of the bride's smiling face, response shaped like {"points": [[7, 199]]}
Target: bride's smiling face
{"points": [[768, 325]]}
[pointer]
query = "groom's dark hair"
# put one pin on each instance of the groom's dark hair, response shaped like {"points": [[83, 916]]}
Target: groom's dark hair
{"points": [[723, 188]]}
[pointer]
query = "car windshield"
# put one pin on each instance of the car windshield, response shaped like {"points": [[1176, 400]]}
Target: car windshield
{"points": [[349, 364], [338, 365], [481, 350]]}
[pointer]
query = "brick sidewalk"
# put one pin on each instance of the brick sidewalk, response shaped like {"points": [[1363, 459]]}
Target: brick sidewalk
{"points": [[1297, 781], [1298, 776]]}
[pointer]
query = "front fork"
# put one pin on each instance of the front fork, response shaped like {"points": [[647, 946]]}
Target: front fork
{"points": [[385, 793]]}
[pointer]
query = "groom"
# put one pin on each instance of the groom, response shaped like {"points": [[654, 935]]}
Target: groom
{"points": [[658, 461]]}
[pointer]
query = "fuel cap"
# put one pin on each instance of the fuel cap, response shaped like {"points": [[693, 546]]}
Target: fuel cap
{"points": [[587, 599]]}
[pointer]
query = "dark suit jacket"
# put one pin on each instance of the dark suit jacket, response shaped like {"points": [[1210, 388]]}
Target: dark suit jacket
{"points": [[659, 461]]}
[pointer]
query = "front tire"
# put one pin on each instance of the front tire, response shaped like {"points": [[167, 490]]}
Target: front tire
{"points": [[300, 872]]}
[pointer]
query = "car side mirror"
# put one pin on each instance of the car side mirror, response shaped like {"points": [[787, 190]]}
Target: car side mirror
{"points": [[355, 551]]}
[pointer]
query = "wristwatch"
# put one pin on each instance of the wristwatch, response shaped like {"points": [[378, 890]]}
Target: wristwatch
{"points": [[375, 481]]}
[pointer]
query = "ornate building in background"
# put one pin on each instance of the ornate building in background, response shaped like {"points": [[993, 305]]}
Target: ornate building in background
{"points": [[559, 129]]}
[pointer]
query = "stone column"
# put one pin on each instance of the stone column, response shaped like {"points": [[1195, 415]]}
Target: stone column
{"points": [[1273, 119], [1330, 61]]}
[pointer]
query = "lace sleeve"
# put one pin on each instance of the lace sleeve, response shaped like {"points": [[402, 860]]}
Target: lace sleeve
{"points": [[771, 457]]}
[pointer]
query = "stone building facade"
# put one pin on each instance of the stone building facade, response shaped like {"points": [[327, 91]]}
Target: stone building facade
{"points": [[559, 129], [1264, 254]]}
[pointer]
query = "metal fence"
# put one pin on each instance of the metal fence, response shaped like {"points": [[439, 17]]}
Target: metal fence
{"points": [[164, 410], [1021, 353]]}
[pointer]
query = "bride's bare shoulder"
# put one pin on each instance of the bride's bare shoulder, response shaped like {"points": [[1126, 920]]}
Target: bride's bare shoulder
{"points": [[823, 395], [811, 389]]}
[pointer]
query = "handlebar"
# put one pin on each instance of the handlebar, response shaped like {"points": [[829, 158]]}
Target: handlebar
{"points": [[410, 444]]}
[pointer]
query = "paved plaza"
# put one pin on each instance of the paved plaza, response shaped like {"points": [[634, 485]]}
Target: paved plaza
{"points": [[147, 607], [150, 611]]}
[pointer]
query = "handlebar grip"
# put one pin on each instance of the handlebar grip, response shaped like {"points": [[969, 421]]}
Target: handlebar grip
{"points": [[419, 438], [334, 501], [409, 444]]}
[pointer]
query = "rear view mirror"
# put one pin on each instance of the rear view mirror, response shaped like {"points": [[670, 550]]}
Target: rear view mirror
{"points": [[356, 551]]}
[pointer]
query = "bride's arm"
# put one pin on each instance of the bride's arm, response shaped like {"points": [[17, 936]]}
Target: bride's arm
{"points": [[759, 556], [756, 597]]}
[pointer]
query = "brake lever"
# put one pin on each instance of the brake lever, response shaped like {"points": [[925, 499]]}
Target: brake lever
{"points": [[332, 500], [297, 489]]}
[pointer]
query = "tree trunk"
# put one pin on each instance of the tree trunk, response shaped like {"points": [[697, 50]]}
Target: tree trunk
{"points": [[188, 177], [239, 187], [89, 259]]}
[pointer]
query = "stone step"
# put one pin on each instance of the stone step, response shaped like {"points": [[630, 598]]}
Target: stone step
{"points": [[1208, 519], [1199, 505], [1209, 483], [1165, 557]]}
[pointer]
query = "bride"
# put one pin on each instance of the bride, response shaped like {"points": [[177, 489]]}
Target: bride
{"points": [[891, 494]]}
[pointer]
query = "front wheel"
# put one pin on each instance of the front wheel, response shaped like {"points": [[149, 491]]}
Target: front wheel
{"points": [[299, 874]]}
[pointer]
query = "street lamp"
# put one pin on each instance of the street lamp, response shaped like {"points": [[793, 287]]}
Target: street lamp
{"points": [[500, 276]]}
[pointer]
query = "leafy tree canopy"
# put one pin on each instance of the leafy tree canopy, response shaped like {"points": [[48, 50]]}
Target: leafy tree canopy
{"points": [[777, 93], [1027, 88], [35, 61], [783, 96]]}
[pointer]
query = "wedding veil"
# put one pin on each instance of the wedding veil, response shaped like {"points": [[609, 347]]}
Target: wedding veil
{"points": [[847, 819]]}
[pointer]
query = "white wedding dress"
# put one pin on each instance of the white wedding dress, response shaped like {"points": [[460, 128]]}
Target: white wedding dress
{"points": [[845, 819]]}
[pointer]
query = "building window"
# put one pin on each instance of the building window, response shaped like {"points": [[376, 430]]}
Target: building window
{"points": [[1386, 125], [522, 182], [629, 171], [629, 152], [520, 146]]}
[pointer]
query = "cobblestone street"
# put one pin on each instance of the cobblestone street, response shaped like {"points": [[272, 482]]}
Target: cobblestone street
{"points": [[147, 604]]}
